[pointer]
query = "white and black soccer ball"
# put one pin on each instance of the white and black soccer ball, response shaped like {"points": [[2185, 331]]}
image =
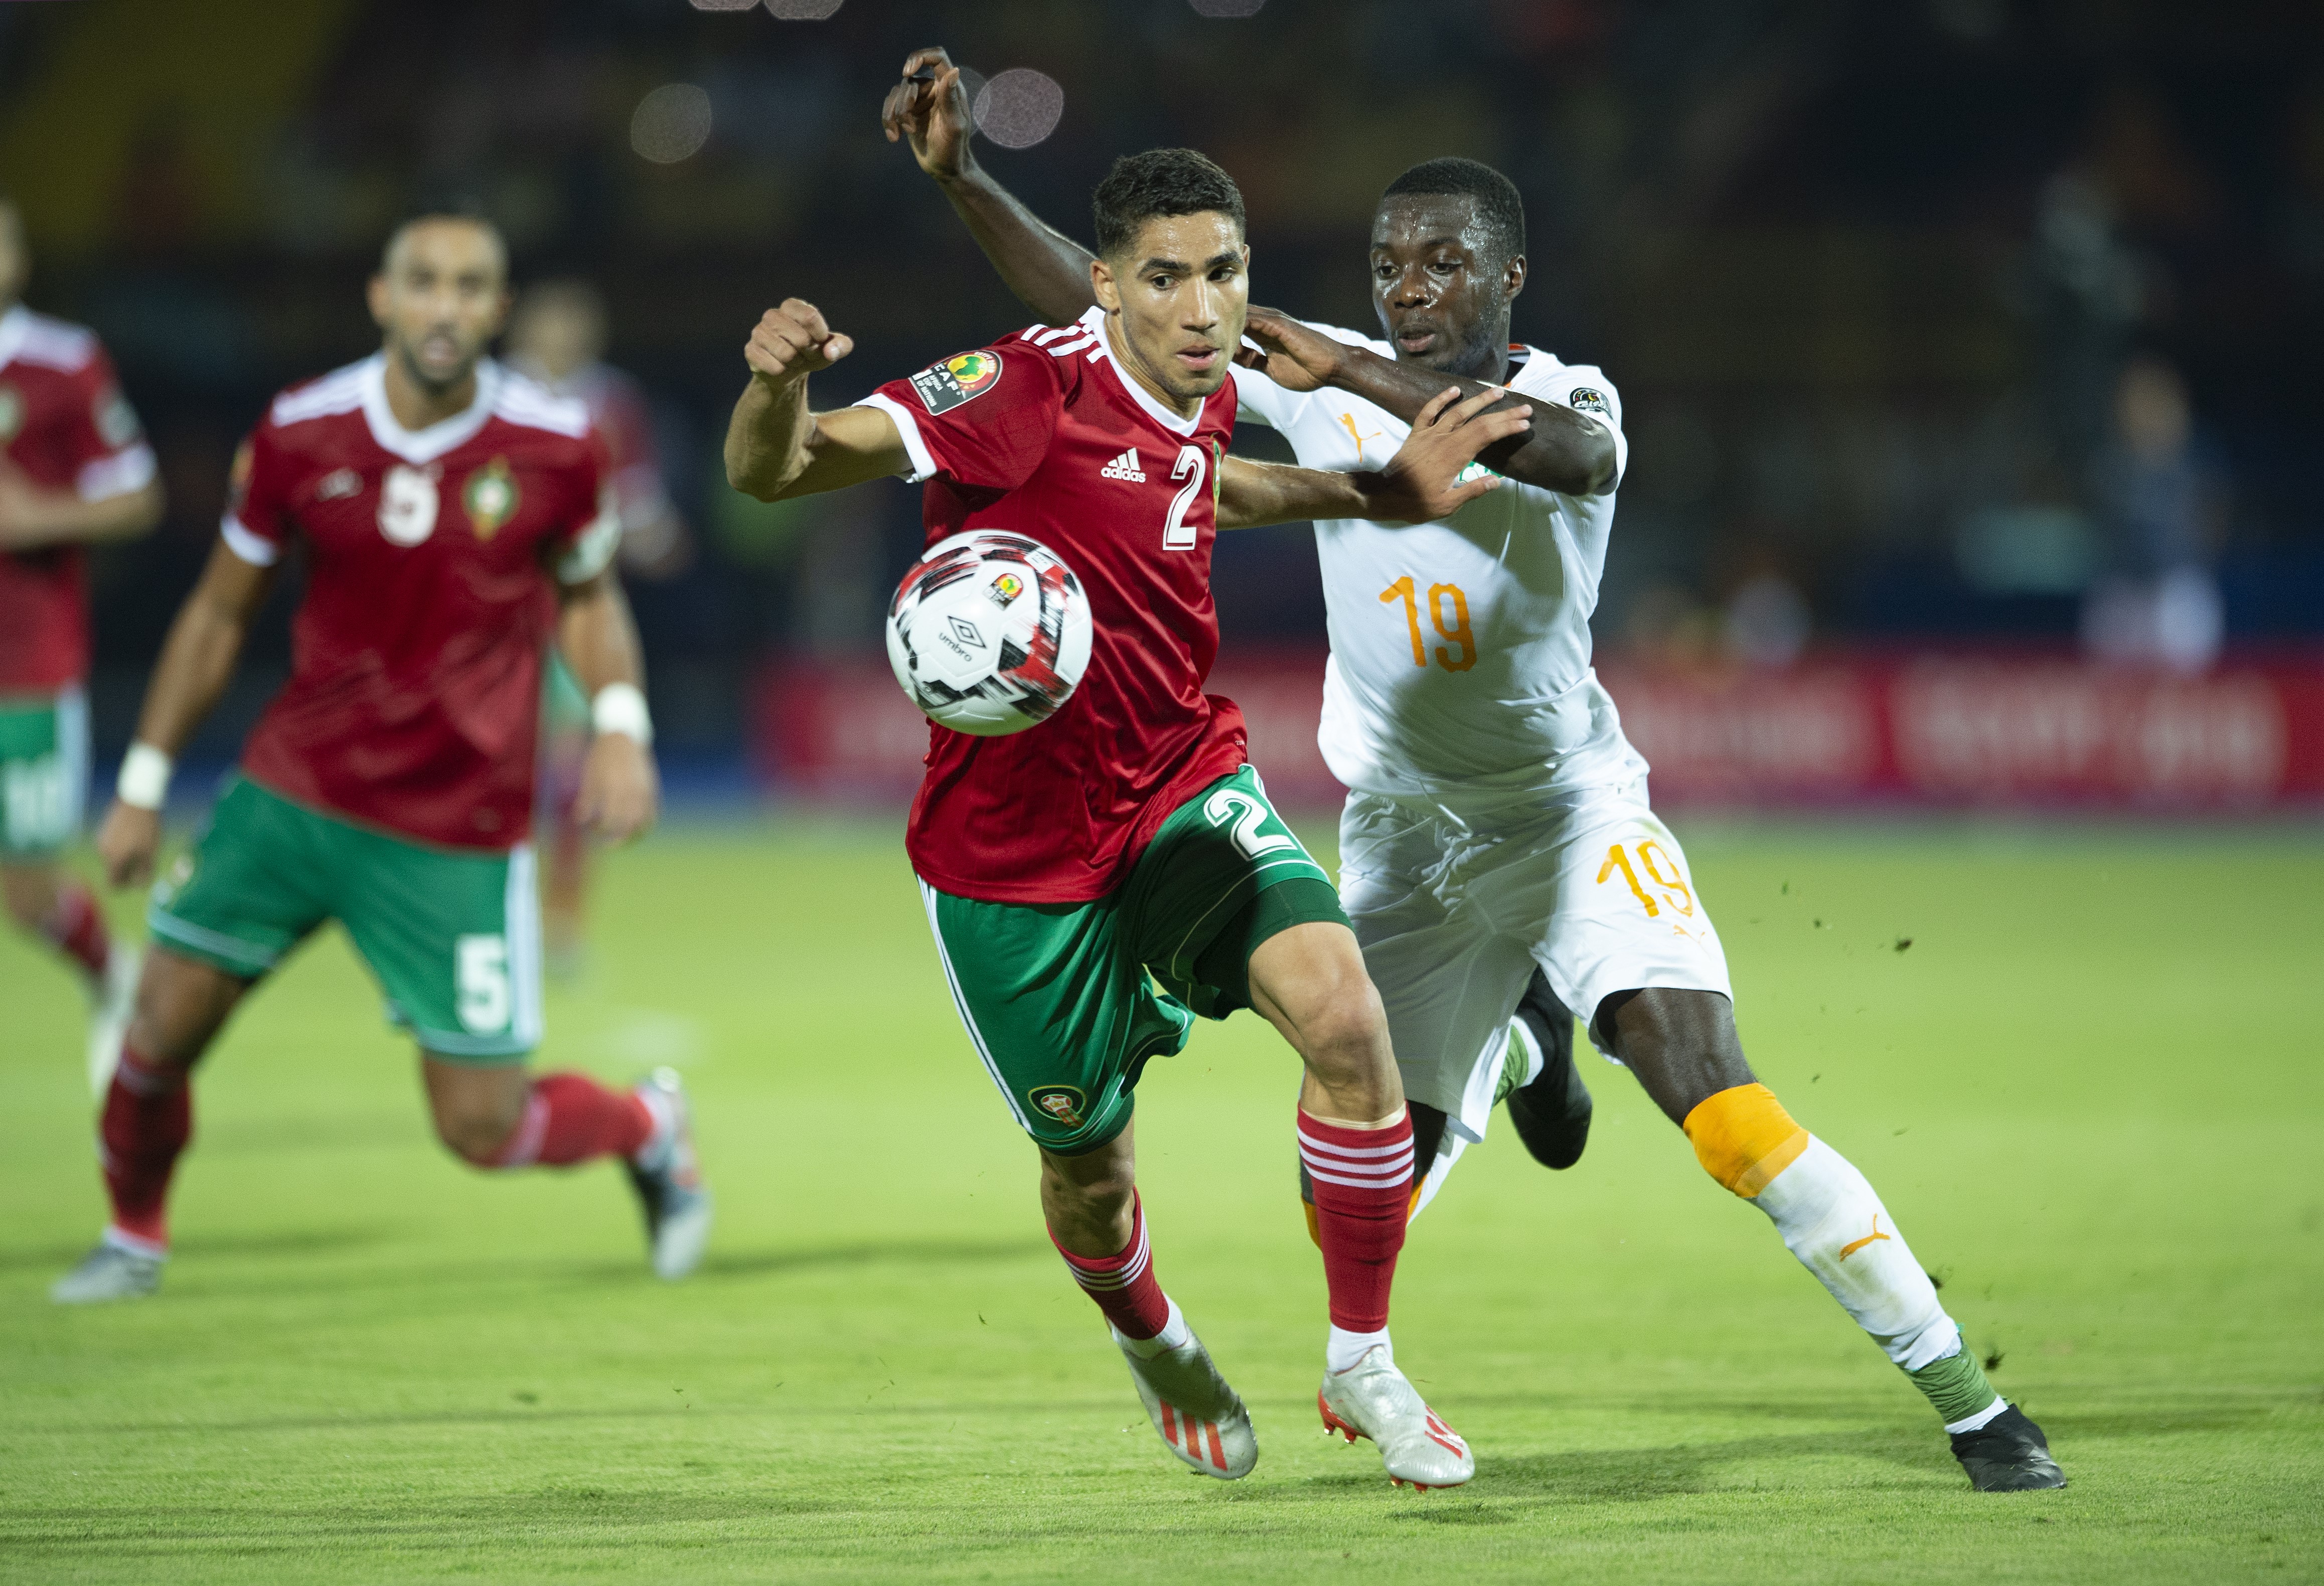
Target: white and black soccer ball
{"points": [[988, 633]]}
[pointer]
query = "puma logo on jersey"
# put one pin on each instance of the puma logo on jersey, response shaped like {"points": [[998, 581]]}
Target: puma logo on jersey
{"points": [[1124, 466]]}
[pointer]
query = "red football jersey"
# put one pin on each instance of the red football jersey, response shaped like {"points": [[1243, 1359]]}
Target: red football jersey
{"points": [[415, 685], [64, 425], [1043, 434]]}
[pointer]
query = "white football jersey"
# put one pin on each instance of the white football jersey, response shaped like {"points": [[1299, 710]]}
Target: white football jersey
{"points": [[1460, 666]]}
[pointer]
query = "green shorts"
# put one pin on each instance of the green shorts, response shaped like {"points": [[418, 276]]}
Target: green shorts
{"points": [[1057, 997], [43, 772], [452, 937]]}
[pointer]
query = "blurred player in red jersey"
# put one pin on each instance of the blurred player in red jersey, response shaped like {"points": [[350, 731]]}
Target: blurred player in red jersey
{"points": [[557, 337], [1126, 835], [456, 520], [75, 471]]}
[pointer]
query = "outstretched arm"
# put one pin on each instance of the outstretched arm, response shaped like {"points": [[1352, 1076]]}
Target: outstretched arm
{"points": [[1565, 450], [776, 446], [197, 661], [1049, 270], [1416, 486]]}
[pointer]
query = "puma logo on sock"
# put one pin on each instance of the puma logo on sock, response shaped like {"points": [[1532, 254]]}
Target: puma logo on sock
{"points": [[1849, 1249]]}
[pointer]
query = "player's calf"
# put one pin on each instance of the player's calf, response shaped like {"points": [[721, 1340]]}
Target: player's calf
{"points": [[1357, 1161], [499, 1117], [1193, 1411], [1829, 1218]]}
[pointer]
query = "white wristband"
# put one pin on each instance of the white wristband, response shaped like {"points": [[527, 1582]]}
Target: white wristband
{"points": [[619, 707], [144, 781]]}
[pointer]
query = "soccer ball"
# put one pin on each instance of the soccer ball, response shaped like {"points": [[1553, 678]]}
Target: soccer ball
{"points": [[988, 633]]}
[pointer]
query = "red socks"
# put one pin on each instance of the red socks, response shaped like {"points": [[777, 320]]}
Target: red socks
{"points": [[148, 1117], [76, 928], [1363, 1187], [571, 1118], [1123, 1285]]}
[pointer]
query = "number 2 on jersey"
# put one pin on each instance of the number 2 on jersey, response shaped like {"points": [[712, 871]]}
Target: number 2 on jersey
{"points": [[1191, 467], [1457, 632]]}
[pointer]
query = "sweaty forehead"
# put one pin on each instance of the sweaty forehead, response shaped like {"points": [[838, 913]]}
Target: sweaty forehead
{"points": [[1415, 220], [451, 247], [1190, 239]]}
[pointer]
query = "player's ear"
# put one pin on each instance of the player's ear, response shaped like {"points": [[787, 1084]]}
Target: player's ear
{"points": [[1513, 277], [1102, 286], [376, 297]]}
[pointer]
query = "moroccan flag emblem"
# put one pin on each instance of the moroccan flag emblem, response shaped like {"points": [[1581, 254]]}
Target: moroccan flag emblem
{"points": [[491, 497]]}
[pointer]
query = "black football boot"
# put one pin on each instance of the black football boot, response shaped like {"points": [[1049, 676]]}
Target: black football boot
{"points": [[2008, 1454], [1550, 1113]]}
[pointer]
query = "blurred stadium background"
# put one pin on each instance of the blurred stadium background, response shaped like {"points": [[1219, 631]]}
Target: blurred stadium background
{"points": [[1967, 345]]}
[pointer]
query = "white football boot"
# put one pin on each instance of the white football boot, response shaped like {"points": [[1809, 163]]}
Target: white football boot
{"points": [[109, 1272], [669, 1180], [112, 998], [1191, 1406], [1372, 1398]]}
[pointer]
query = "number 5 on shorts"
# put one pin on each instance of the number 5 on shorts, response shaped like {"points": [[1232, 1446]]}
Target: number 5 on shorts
{"points": [[481, 975]]}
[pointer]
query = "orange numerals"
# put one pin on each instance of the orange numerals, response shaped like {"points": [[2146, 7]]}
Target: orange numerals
{"points": [[1457, 632], [1668, 885]]}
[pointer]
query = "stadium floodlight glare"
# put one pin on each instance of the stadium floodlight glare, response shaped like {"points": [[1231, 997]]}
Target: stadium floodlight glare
{"points": [[1019, 107], [805, 10], [671, 123], [1227, 7]]}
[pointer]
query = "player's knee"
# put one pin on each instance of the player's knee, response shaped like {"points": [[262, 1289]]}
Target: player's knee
{"points": [[1743, 1138], [477, 1135], [28, 894], [1344, 1040]]}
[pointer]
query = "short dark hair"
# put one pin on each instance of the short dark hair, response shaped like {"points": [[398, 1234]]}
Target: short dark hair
{"points": [[1157, 183], [1497, 203], [455, 214]]}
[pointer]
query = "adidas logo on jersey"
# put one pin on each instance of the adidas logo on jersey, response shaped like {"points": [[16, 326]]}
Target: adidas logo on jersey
{"points": [[1125, 467]]}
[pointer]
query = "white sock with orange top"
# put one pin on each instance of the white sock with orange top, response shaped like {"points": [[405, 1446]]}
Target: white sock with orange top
{"points": [[1829, 1218]]}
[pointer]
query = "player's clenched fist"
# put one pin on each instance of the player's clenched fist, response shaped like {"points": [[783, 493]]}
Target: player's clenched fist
{"points": [[621, 792], [127, 844], [792, 342]]}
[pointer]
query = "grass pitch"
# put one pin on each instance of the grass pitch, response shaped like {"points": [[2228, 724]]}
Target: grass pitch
{"points": [[2088, 1091]]}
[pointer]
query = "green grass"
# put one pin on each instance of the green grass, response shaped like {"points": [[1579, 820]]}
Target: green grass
{"points": [[2089, 1091]]}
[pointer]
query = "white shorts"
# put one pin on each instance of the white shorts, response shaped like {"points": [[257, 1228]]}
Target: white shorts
{"points": [[1454, 910]]}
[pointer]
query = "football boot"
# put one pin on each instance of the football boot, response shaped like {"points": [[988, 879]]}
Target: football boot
{"points": [[669, 1180], [1551, 1110], [2008, 1454], [107, 1273], [1192, 1407], [1372, 1398]]}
